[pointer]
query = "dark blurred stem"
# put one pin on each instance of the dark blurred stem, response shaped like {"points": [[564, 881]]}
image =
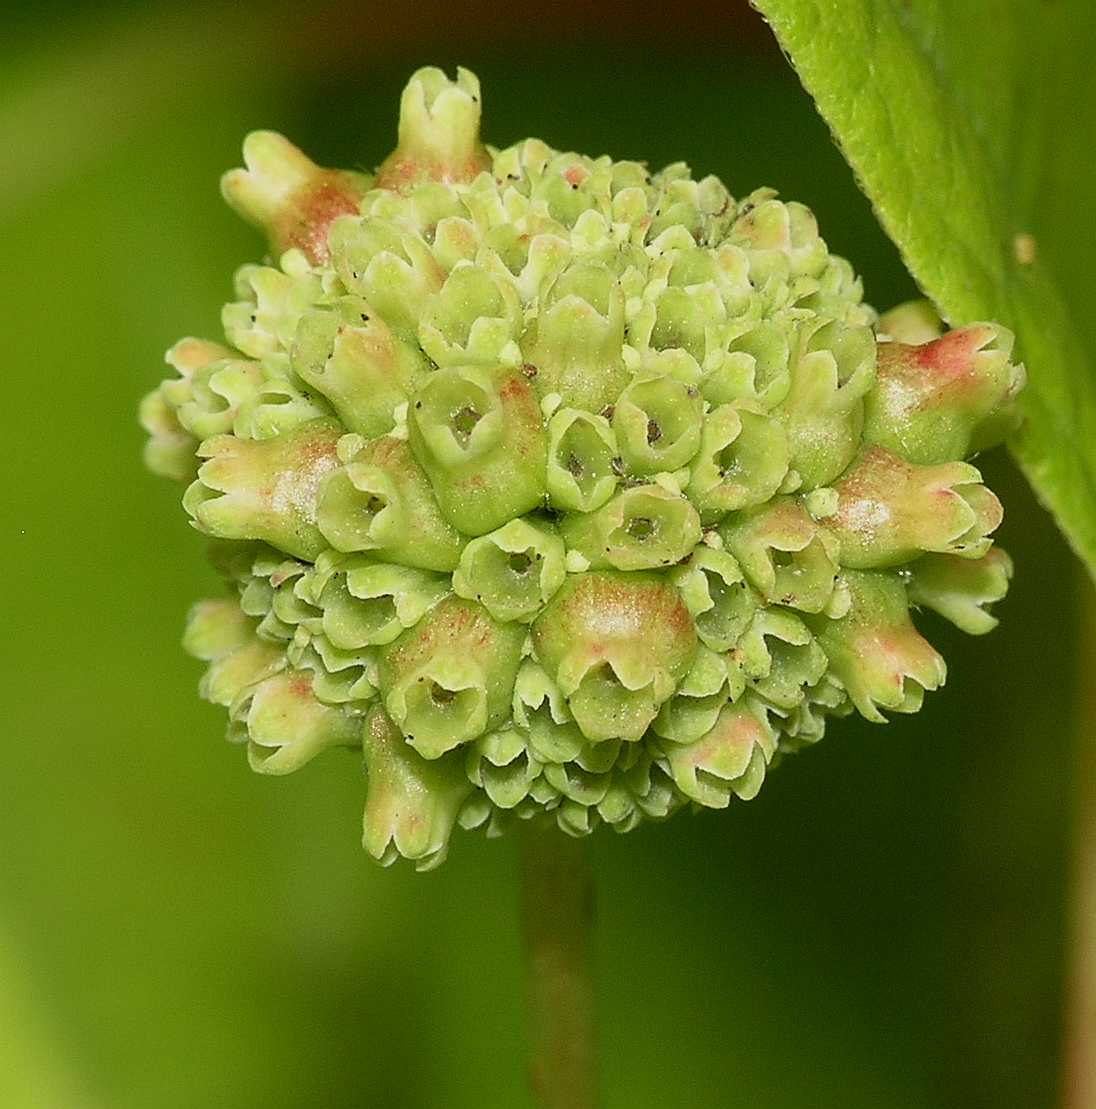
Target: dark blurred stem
{"points": [[557, 908], [1080, 1076]]}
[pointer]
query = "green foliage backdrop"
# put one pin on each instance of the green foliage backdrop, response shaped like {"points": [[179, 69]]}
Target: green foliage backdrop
{"points": [[881, 927]]}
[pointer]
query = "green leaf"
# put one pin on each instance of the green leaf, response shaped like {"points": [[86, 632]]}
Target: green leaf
{"points": [[970, 128]]}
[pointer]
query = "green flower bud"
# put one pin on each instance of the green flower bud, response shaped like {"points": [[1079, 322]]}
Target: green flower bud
{"points": [[208, 403], [575, 342], [270, 403], [684, 319], [743, 461], [657, 424], [754, 369], [616, 645], [535, 693], [583, 461], [780, 657], [411, 802], [947, 398], [824, 410], [889, 511], [618, 807], [339, 678], [455, 240], [571, 185], [479, 435], [571, 491], [532, 261], [473, 320], [653, 790], [558, 742], [692, 711], [219, 633], [438, 133], [573, 767], [837, 293], [914, 322], [703, 208], [513, 571], [730, 759], [425, 210], [691, 266], [960, 589], [366, 603], [780, 239], [450, 678], [784, 553], [272, 302], [286, 609], [876, 651], [288, 726], [577, 785], [352, 357], [721, 602], [380, 501], [641, 528], [288, 196], [169, 451], [388, 265], [575, 819], [806, 723], [429, 207], [672, 207], [265, 489], [500, 765]]}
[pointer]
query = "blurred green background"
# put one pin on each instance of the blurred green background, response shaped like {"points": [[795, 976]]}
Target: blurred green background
{"points": [[883, 927]]}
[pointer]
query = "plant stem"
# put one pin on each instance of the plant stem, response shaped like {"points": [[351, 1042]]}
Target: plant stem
{"points": [[1080, 1070], [557, 908]]}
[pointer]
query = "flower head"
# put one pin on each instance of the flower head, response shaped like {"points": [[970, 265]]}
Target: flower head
{"points": [[561, 489]]}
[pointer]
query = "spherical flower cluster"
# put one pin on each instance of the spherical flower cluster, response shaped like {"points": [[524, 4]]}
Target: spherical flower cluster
{"points": [[562, 489]]}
